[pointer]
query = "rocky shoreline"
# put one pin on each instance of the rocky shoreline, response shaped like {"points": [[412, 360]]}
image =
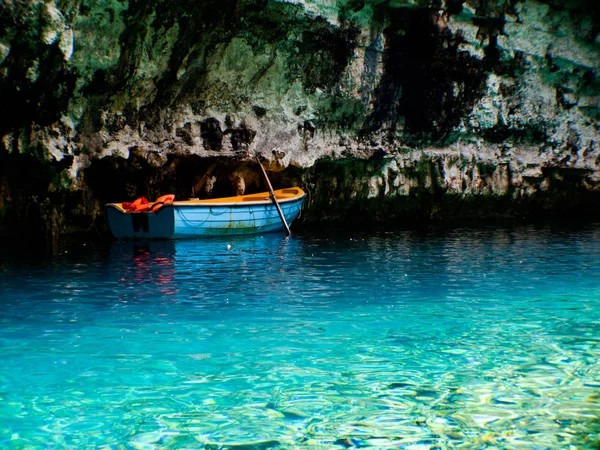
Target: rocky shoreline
{"points": [[383, 110]]}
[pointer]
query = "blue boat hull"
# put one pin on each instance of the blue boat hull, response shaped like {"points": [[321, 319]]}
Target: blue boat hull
{"points": [[192, 221], [183, 220]]}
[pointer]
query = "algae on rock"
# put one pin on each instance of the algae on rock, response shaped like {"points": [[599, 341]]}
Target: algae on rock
{"points": [[463, 101]]}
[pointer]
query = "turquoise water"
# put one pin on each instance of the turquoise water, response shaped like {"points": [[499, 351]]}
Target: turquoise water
{"points": [[472, 338]]}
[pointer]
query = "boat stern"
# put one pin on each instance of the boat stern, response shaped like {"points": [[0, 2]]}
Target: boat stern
{"points": [[140, 225]]}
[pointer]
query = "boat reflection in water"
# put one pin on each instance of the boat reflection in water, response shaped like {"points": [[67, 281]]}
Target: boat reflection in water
{"points": [[145, 266], [158, 268]]}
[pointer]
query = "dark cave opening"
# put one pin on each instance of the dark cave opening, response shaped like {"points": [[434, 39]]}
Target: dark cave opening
{"points": [[39, 95], [115, 179], [428, 84]]}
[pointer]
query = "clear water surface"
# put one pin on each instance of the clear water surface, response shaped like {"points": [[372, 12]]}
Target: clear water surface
{"points": [[474, 338]]}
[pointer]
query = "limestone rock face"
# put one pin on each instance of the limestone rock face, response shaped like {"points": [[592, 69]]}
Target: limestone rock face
{"points": [[496, 97]]}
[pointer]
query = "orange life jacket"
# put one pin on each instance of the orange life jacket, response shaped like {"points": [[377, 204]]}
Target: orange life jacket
{"points": [[141, 204], [132, 206]]}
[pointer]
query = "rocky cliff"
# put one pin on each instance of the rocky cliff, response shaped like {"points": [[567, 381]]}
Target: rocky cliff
{"points": [[382, 109]]}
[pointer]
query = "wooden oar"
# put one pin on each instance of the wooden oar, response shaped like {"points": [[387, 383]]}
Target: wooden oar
{"points": [[272, 195]]}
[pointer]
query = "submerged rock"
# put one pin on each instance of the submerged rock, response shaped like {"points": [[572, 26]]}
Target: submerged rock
{"points": [[391, 108]]}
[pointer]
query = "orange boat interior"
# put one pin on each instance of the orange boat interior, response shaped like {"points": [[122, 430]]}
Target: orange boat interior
{"points": [[280, 195], [139, 206]]}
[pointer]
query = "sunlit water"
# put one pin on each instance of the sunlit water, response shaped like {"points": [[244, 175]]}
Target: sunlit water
{"points": [[470, 338]]}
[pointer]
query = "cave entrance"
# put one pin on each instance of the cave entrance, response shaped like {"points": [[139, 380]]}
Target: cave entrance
{"points": [[428, 84]]}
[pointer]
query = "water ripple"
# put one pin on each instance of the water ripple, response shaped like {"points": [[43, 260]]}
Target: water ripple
{"points": [[472, 338]]}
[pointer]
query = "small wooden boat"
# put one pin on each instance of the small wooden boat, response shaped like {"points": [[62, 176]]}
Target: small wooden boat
{"points": [[244, 214]]}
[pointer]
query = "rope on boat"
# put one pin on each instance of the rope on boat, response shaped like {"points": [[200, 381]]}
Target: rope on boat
{"points": [[188, 221], [209, 215]]}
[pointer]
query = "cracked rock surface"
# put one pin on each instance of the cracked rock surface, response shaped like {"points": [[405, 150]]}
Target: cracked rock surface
{"points": [[385, 107]]}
